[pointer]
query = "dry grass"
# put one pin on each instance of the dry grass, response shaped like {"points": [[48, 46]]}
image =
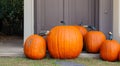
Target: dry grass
{"points": [[26, 62], [95, 62], [52, 62]]}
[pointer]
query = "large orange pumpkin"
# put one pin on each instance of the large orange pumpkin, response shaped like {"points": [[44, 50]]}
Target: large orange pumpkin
{"points": [[35, 47], [64, 42], [109, 50], [93, 41]]}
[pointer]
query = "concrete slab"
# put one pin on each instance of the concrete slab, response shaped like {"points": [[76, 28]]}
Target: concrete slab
{"points": [[12, 55], [89, 55], [13, 47], [17, 54]]}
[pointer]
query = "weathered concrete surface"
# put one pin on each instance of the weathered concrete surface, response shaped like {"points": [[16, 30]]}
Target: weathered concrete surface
{"points": [[69, 64], [89, 55], [11, 46]]}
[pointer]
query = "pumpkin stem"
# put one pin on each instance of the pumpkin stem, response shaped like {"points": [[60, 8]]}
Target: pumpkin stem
{"points": [[85, 26], [81, 23], [44, 33], [92, 27], [62, 22], [110, 35]]}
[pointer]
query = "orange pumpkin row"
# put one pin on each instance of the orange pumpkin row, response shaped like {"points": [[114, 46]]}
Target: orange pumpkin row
{"points": [[95, 41], [63, 42], [67, 42]]}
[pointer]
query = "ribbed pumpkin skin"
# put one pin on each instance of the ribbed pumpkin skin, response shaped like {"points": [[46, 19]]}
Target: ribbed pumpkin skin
{"points": [[82, 29], [93, 41], [119, 56], [109, 50], [35, 47], [119, 53], [64, 42]]}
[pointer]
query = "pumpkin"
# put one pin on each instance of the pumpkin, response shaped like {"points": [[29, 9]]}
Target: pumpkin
{"points": [[109, 50], [83, 31], [93, 41], [35, 47], [119, 54], [64, 42]]}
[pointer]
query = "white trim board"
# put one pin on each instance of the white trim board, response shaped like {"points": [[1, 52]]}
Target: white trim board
{"points": [[28, 18], [116, 19]]}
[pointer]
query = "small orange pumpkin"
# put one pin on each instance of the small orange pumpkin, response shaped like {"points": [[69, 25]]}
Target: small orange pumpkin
{"points": [[82, 29], [64, 42], [93, 40], [35, 47], [119, 54], [109, 50]]}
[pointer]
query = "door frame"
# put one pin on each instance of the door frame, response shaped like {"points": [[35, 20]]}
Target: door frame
{"points": [[116, 19], [29, 18]]}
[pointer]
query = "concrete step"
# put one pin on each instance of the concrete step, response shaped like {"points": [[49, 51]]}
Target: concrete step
{"points": [[12, 55], [89, 55], [82, 55]]}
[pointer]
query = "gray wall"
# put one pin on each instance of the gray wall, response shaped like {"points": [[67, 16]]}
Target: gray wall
{"points": [[49, 13], [106, 16]]}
